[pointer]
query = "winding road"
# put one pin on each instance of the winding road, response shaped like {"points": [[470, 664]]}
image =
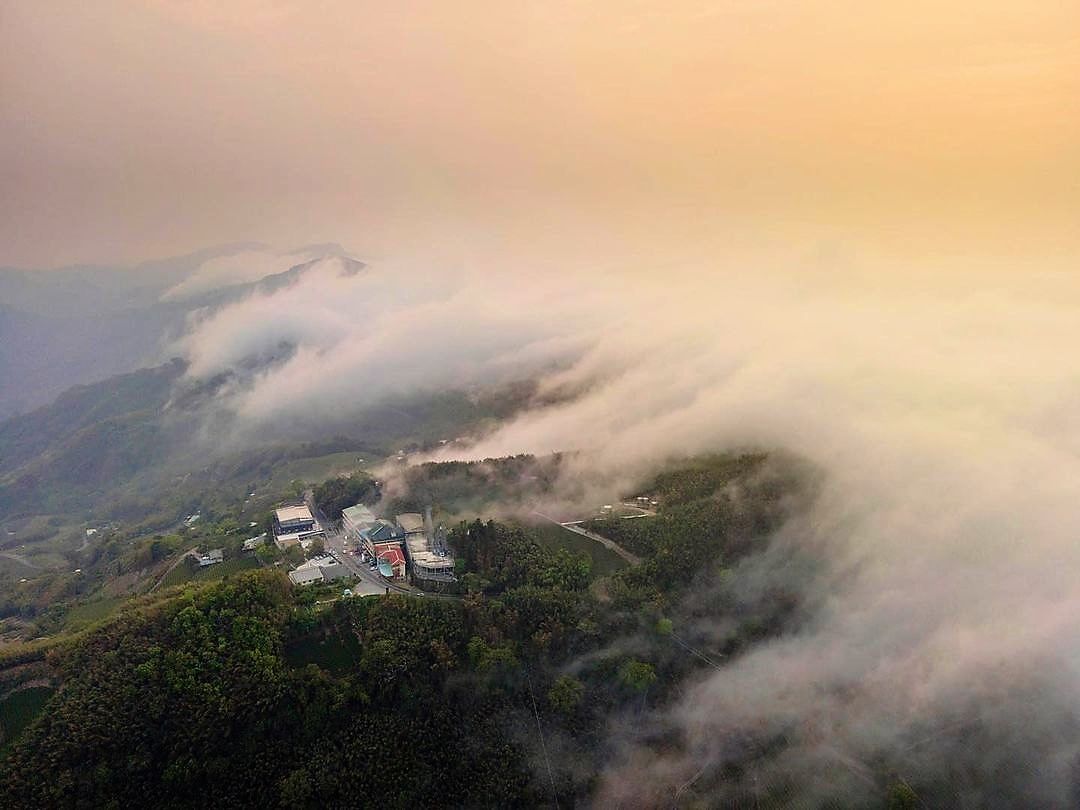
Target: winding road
{"points": [[573, 526]]}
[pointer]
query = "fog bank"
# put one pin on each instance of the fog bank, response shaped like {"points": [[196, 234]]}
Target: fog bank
{"points": [[943, 413]]}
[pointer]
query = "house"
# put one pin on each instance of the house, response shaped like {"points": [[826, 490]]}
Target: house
{"points": [[212, 557], [294, 519], [286, 541], [383, 531], [379, 536], [318, 569], [305, 576], [392, 562], [334, 570]]}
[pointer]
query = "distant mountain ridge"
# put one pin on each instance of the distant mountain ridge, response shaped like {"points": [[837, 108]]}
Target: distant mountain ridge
{"points": [[89, 438], [80, 324]]}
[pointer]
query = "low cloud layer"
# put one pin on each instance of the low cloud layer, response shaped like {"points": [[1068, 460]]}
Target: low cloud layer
{"points": [[943, 412], [244, 267], [356, 339]]}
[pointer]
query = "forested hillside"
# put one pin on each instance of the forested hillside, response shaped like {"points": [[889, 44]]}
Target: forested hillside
{"points": [[50, 430], [249, 692], [111, 469], [711, 510], [471, 487]]}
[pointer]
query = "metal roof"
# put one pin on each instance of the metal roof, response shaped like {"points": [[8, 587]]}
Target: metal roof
{"points": [[381, 530], [358, 515], [305, 576], [287, 514], [411, 522]]}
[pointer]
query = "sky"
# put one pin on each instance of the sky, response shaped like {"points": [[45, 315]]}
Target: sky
{"points": [[136, 130]]}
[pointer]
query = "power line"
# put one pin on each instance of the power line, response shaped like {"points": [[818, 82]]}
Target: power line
{"points": [[698, 653], [543, 745]]}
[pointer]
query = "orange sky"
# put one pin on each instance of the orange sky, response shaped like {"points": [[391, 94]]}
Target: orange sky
{"points": [[136, 129]]}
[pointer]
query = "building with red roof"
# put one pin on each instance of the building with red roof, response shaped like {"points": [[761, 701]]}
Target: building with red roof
{"points": [[394, 558]]}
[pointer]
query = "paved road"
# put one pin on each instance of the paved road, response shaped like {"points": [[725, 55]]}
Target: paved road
{"points": [[642, 511], [638, 512], [572, 526]]}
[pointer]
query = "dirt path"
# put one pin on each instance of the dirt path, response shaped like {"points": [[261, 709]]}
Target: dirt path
{"points": [[20, 559], [180, 559]]}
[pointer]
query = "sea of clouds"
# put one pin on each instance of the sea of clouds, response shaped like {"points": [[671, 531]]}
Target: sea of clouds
{"points": [[944, 412]]}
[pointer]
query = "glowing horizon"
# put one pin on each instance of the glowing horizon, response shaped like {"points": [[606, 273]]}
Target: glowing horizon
{"points": [[138, 130]]}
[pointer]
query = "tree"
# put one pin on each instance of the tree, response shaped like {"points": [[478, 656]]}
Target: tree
{"points": [[267, 553], [637, 675], [337, 494], [317, 548], [486, 658], [565, 695], [567, 570], [902, 797]]}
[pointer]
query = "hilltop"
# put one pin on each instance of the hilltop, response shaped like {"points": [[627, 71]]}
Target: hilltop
{"points": [[511, 695]]}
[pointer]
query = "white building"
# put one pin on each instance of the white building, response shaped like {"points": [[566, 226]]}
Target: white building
{"points": [[294, 519], [426, 564], [318, 569], [305, 576], [295, 525], [356, 519]]}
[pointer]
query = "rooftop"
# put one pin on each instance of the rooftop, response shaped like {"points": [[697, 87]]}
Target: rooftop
{"points": [[289, 538], [290, 513], [411, 522], [392, 555], [305, 576], [421, 555], [381, 531], [317, 562], [254, 542], [358, 515], [318, 569]]}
